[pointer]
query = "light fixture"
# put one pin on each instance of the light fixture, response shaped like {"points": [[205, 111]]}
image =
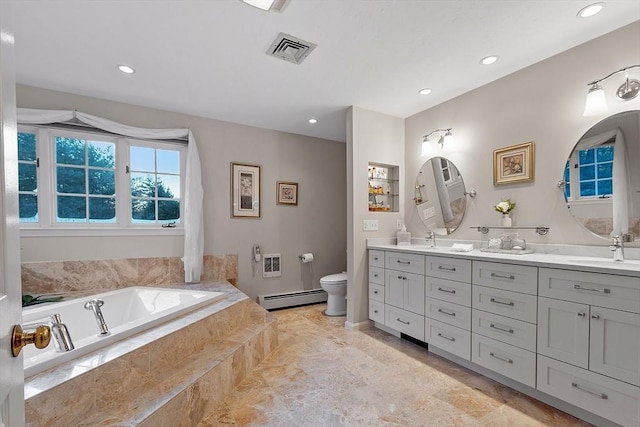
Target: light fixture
{"points": [[488, 60], [313, 121], [596, 102], [446, 137], [126, 69], [425, 91], [268, 5], [590, 10]]}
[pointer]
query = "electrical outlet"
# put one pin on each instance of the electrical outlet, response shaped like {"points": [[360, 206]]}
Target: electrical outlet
{"points": [[398, 224], [370, 225], [429, 212]]}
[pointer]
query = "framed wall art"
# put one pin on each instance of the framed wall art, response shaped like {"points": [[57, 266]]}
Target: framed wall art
{"points": [[513, 164], [286, 193], [245, 191]]}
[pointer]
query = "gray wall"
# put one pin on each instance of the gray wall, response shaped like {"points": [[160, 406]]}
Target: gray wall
{"points": [[317, 224]]}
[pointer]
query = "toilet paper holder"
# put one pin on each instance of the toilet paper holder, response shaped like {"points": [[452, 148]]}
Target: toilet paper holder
{"points": [[306, 258]]}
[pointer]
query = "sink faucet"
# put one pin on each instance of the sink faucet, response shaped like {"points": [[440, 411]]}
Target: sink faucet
{"points": [[61, 338], [94, 305], [432, 238], [617, 248]]}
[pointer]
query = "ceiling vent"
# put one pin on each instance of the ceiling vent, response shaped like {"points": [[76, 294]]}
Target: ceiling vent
{"points": [[290, 48]]}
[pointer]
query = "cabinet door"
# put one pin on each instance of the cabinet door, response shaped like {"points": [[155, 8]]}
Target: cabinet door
{"points": [[563, 331], [414, 293], [394, 288], [615, 344]]}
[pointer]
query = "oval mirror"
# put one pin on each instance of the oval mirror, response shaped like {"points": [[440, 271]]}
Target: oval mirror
{"points": [[602, 178], [440, 196]]}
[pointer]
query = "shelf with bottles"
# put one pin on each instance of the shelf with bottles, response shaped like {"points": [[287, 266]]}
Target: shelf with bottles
{"points": [[384, 187]]}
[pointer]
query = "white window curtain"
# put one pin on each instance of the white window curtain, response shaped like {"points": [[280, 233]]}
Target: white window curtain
{"points": [[193, 217], [621, 183]]}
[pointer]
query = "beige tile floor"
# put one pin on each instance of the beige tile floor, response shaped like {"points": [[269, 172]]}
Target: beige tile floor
{"points": [[323, 375]]}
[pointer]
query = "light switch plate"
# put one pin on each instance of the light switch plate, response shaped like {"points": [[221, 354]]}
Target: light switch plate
{"points": [[398, 224], [370, 225]]}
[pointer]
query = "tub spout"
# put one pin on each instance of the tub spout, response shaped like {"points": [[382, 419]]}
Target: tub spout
{"points": [[61, 337], [94, 305]]}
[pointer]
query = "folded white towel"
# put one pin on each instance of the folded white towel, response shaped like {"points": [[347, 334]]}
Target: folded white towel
{"points": [[462, 247]]}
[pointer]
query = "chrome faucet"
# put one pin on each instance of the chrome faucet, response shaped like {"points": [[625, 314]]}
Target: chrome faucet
{"points": [[94, 305], [61, 337], [617, 248], [432, 238]]}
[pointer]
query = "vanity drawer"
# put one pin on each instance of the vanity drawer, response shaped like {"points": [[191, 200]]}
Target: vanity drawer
{"points": [[603, 290], [506, 303], [376, 258], [449, 338], [446, 312], [376, 311], [509, 331], [376, 275], [376, 292], [505, 359], [404, 321], [410, 263], [518, 278], [611, 399], [449, 268], [449, 290]]}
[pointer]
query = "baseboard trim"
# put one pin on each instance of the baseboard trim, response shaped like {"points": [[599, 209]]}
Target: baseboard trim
{"points": [[367, 324]]}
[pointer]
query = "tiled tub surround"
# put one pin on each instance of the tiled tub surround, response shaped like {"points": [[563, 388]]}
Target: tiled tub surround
{"points": [[559, 326], [171, 375], [45, 278]]}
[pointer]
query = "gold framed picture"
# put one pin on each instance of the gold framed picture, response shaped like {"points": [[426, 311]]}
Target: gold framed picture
{"points": [[286, 193], [245, 191], [513, 164]]}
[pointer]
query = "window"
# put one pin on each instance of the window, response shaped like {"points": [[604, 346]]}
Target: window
{"points": [[591, 175], [96, 180]]}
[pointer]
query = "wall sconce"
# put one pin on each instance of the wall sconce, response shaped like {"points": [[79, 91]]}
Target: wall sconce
{"points": [[596, 102], [446, 137]]}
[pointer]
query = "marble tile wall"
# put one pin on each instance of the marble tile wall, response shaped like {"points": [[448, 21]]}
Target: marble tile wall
{"points": [[41, 278]]}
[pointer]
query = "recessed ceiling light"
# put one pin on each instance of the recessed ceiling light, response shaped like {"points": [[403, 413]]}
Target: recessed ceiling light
{"points": [[590, 10], [269, 5], [126, 69], [425, 91], [313, 121], [488, 60]]}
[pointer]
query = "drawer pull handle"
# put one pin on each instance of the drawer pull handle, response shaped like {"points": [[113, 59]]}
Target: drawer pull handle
{"points": [[446, 337], [504, 359], [600, 395], [446, 268], [400, 277], [403, 262], [449, 291], [375, 275], [498, 276], [595, 316], [510, 303], [375, 311], [402, 321], [604, 291], [448, 313], [375, 258], [581, 314], [501, 329], [375, 292]]}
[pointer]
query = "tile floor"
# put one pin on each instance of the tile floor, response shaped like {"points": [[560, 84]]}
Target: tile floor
{"points": [[323, 375]]}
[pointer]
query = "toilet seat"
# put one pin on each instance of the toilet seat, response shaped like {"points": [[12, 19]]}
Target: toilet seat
{"points": [[334, 279]]}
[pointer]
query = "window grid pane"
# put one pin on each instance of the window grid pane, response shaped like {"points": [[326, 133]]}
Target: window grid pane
{"points": [[596, 171], [27, 177]]}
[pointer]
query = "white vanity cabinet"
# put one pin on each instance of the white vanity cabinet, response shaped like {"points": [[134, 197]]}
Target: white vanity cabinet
{"points": [[447, 322], [376, 286], [404, 293], [504, 302], [589, 342]]}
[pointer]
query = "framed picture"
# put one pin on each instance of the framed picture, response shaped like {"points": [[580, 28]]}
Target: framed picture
{"points": [[245, 191], [287, 193], [513, 164]]}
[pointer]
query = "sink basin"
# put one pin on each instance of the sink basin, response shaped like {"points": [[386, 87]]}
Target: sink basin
{"points": [[600, 262]]}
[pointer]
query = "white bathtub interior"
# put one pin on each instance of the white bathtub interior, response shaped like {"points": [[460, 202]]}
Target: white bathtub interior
{"points": [[126, 312]]}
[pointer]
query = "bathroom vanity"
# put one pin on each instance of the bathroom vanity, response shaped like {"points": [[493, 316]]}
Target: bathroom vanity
{"points": [[563, 329]]}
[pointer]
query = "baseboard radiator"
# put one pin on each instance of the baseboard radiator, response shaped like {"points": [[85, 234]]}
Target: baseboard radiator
{"points": [[292, 299]]}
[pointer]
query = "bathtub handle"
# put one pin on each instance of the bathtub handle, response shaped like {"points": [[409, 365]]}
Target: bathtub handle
{"points": [[41, 338], [94, 306]]}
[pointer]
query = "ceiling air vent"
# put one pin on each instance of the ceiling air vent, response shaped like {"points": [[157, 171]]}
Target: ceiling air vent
{"points": [[290, 48]]}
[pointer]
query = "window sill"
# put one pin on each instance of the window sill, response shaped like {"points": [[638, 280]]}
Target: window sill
{"points": [[104, 231]]}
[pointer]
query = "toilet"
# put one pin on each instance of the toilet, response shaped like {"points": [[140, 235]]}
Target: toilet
{"points": [[336, 287]]}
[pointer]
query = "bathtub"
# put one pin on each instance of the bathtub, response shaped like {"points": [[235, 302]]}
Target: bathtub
{"points": [[126, 312]]}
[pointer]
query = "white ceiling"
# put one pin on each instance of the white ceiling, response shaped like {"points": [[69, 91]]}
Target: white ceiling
{"points": [[207, 57]]}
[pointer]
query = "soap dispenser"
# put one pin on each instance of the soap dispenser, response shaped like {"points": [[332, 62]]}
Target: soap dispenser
{"points": [[404, 237]]}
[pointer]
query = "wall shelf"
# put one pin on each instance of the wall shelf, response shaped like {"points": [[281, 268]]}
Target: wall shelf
{"points": [[384, 187], [484, 229]]}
